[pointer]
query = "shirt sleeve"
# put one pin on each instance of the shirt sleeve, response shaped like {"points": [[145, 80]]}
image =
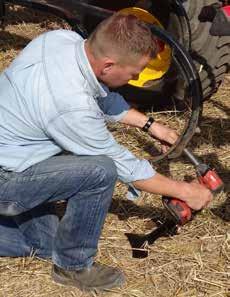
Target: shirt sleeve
{"points": [[84, 132], [113, 105]]}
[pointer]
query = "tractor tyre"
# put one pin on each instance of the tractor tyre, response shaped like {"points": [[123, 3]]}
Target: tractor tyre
{"points": [[211, 54]]}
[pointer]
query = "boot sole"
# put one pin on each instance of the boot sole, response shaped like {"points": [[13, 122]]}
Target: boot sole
{"points": [[74, 283]]}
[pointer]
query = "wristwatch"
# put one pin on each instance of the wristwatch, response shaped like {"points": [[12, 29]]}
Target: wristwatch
{"points": [[148, 124]]}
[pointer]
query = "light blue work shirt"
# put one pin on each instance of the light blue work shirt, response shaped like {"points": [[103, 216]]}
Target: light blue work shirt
{"points": [[51, 100]]}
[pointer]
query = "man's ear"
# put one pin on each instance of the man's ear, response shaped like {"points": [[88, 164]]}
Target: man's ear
{"points": [[108, 64]]}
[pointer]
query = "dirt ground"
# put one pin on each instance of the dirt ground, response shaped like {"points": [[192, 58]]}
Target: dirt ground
{"points": [[193, 263]]}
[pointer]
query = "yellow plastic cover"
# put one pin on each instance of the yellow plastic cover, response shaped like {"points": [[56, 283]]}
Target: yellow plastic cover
{"points": [[157, 67]]}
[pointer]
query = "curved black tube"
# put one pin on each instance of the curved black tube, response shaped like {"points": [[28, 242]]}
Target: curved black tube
{"points": [[183, 59]]}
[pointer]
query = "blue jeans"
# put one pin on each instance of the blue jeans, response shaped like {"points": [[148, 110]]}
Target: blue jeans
{"points": [[28, 220]]}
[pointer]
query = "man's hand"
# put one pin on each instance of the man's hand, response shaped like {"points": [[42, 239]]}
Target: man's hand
{"points": [[198, 196], [164, 134], [194, 194]]}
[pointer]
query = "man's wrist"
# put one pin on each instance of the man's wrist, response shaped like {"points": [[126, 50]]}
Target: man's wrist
{"points": [[148, 124]]}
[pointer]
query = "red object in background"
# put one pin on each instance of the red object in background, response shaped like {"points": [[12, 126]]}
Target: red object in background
{"points": [[226, 10], [221, 22]]}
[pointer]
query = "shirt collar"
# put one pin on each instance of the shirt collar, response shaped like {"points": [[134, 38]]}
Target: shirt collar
{"points": [[87, 71]]}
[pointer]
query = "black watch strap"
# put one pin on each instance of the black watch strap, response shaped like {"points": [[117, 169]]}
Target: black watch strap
{"points": [[148, 124]]}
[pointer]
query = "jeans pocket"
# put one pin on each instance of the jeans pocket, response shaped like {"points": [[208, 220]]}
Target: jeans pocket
{"points": [[11, 208]]}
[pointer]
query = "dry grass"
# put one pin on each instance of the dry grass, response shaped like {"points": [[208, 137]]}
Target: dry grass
{"points": [[194, 263]]}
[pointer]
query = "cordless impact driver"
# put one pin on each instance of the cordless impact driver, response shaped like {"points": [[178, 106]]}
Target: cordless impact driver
{"points": [[179, 210]]}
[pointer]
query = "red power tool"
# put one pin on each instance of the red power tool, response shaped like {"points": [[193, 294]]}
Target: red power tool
{"points": [[180, 212], [207, 176]]}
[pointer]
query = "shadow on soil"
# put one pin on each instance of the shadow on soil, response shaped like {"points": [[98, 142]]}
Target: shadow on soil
{"points": [[223, 211], [125, 209], [12, 41]]}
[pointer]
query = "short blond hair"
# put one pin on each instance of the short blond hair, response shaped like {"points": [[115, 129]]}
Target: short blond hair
{"points": [[124, 36]]}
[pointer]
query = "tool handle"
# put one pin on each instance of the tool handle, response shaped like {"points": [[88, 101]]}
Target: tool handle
{"points": [[179, 210]]}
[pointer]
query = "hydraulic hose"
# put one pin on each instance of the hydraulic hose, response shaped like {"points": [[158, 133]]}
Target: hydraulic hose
{"points": [[188, 69]]}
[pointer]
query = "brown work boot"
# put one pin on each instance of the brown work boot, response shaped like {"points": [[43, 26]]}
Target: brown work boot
{"points": [[96, 278]]}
